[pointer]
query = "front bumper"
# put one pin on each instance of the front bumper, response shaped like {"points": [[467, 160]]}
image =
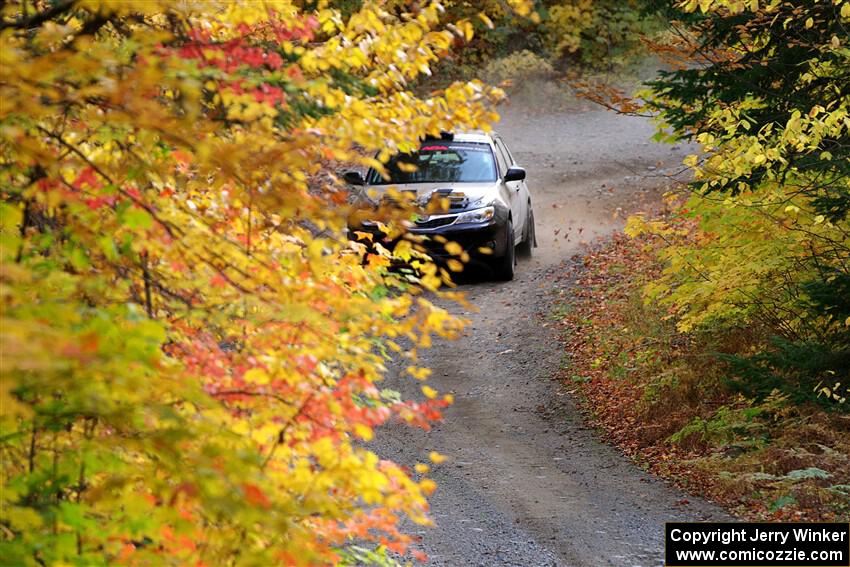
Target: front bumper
{"points": [[481, 241], [473, 238]]}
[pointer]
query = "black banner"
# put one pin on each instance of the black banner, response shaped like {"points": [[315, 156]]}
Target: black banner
{"points": [[757, 544]]}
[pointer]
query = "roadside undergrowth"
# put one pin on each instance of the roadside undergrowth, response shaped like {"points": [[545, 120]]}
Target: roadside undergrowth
{"points": [[663, 397]]}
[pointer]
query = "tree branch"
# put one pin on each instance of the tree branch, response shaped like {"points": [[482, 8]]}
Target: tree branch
{"points": [[25, 23]]}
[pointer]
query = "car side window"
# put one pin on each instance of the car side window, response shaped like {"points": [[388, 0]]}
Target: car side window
{"points": [[500, 159], [506, 156]]}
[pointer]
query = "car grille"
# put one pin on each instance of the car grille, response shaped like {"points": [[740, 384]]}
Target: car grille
{"points": [[435, 223]]}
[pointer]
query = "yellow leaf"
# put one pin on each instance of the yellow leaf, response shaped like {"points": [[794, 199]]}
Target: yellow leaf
{"points": [[431, 282], [487, 21], [403, 250], [635, 226], [257, 376], [429, 392], [453, 248], [376, 261], [241, 427], [418, 372], [436, 457], [363, 431], [468, 30]]}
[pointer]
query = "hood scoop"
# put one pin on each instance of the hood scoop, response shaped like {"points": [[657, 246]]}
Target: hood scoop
{"points": [[457, 200]]}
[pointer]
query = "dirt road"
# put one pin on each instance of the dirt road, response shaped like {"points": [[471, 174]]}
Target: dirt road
{"points": [[527, 482]]}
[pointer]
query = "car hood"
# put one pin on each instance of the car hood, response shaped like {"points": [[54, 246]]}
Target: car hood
{"points": [[473, 192]]}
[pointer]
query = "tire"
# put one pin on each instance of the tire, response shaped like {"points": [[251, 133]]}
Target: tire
{"points": [[529, 238], [503, 268]]}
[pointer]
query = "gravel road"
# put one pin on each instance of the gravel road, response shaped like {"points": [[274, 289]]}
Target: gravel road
{"points": [[527, 482]]}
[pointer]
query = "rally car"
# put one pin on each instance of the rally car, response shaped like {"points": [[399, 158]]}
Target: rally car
{"points": [[488, 206]]}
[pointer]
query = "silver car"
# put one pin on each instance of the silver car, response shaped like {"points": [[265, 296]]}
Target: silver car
{"points": [[490, 209]]}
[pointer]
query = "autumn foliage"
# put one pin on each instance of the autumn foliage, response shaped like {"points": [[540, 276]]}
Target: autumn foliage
{"points": [[723, 355], [191, 348], [767, 100], [762, 90], [662, 397]]}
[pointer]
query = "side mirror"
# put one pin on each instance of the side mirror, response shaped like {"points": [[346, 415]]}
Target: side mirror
{"points": [[515, 173], [354, 178]]}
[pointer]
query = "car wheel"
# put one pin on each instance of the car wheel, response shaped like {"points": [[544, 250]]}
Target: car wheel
{"points": [[529, 238], [504, 266]]}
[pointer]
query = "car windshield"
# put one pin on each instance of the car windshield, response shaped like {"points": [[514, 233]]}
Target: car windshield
{"points": [[440, 162]]}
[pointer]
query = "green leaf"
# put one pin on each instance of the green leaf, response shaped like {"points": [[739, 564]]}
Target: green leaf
{"points": [[11, 216], [137, 218], [811, 472], [782, 502], [78, 258], [72, 515], [107, 246]]}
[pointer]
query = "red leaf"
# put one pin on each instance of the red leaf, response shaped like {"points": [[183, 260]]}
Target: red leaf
{"points": [[255, 496], [87, 177]]}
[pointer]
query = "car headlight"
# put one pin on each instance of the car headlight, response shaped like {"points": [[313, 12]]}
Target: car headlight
{"points": [[483, 214]]}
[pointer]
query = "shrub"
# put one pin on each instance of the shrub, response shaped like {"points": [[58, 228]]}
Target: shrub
{"points": [[597, 33], [517, 67]]}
